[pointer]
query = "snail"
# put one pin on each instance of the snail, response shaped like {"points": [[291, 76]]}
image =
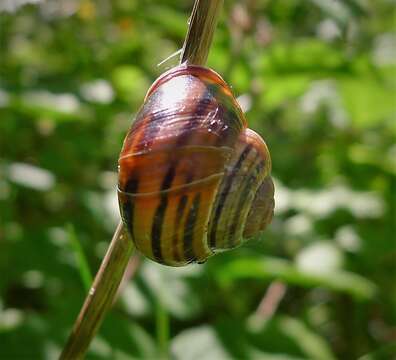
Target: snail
{"points": [[193, 179]]}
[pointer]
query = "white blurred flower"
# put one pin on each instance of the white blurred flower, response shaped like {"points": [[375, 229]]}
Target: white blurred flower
{"points": [[298, 225], [99, 91], [320, 257], [328, 30], [33, 279], [4, 98], [67, 103], [58, 236], [282, 197], [14, 5], [384, 52], [320, 204], [324, 93], [245, 102], [31, 176], [348, 239], [111, 206]]}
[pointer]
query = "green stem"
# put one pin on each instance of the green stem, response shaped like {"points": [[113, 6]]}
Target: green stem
{"points": [[101, 295], [201, 28]]}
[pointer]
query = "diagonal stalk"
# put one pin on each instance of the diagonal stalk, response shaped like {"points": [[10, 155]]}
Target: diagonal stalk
{"points": [[101, 296], [200, 32]]}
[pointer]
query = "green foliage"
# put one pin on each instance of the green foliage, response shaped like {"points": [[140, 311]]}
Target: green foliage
{"points": [[318, 81], [81, 260]]}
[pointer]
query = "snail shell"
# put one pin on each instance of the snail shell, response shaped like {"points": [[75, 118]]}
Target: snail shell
{"points": [[193, 179]]}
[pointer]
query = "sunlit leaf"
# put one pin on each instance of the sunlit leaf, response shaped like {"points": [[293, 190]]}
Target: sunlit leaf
{"points": [[311, 343], [130, 83], [367, 101], [81, 260], [267, 268]]}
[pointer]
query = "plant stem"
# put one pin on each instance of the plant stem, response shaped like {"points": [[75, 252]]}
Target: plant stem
{"points": [[201, 28], [104, 289], [101, 295]]}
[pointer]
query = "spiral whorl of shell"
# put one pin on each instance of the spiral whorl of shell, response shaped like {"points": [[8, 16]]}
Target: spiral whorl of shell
{"points": [[190, 170]]}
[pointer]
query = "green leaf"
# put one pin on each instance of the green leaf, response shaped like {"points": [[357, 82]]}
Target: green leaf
{"points": [[174, 22], [385, 352], [268, 268], [309, 56], [314, 346], [130, 83], [81, 260], [367, 100], [279, 89]]}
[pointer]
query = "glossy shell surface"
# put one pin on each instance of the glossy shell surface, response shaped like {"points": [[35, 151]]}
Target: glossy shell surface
{"points": [[190, 170]]}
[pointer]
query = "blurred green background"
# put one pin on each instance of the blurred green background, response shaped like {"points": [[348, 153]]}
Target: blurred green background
{"points": [[317, 79]]}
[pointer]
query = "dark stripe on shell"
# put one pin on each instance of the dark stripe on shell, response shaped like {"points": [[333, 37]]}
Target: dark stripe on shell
{"points": [[128, 206], [242, 199], [156, 231], [200, 109], [223, 195], [151, 124], [166, 183], [189, 227], [179, 215], [159, 216], [183, 139]]}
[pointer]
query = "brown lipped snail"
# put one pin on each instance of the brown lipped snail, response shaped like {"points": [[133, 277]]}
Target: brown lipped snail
{"points": [[193, 179]]}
